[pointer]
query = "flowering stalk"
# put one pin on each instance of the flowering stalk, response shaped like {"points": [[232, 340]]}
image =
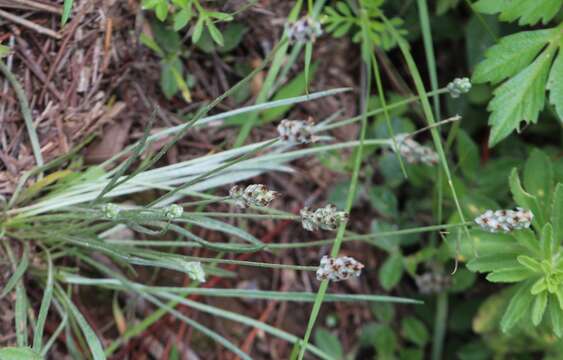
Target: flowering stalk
{"points": [[254, 195], [505, 220], [327, 218], [338, 268], [296, 131], [303, 31]]}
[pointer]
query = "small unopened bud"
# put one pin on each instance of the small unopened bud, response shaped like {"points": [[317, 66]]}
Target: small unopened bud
{"points": [[303, 30], [110, 211], [253, 195], [432, 282], [296, 131], [327, 218], [459, 86], [173, 211], [413, 152], [339, 268], [196, 272], [505, 220]]}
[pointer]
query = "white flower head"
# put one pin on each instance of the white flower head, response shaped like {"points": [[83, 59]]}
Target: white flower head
{"points": [[327, 218], [253, 195], [110, 211], [173, 211], [296, 131], [459, 86], [505, 220], [303, 30], [194, 270], [338, 268]]}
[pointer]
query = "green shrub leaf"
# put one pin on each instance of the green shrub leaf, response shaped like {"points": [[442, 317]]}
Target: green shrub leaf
{"points": [[557, 215], [556, 318], [555, 85], [509, 275], [538, 308], [329, 343], [538, 176], [414, 330], [524, 199], [391, 272], [517, 308]]}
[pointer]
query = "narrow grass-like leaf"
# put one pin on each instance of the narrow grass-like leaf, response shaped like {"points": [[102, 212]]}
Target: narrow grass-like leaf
{"points": [[21, 315], [45, 304], [18, 273], [67, 10], [91, 338], [237, 293]]}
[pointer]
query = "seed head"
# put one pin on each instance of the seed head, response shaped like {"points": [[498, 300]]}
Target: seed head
{"points": [[296, 131], [173, 211], [327, 218], [253, 195], [339, 268], [111, 211], [505, 220], [459, 86], [415, 153], [303, 30]]}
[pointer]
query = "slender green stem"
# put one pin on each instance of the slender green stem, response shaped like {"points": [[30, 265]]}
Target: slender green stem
{"points": [[440, 325], [243, 215], [392, 106], [342, 228], [299, 244], [390, 130]]}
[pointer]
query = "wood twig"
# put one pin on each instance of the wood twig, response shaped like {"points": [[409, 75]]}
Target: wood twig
{"points": [[29, 24]]}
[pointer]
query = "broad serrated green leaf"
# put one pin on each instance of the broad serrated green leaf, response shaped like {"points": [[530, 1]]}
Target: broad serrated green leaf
{"points": [[555, 85], [517, 308], [521, 98], [538, 308], [512, 54], [528, 12], [509, 275]]}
